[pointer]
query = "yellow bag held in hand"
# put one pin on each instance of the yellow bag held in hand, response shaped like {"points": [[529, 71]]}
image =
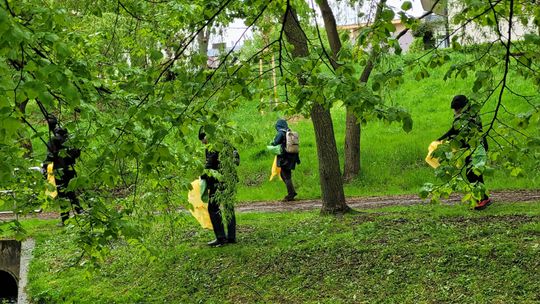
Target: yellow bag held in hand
{"points": [[275, 169], [52, 181], [200, 208], [434, 162]]}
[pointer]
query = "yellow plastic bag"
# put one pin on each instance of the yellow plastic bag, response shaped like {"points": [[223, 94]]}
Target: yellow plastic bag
{"points": [[434, 162], [200, 208], [275, 170], [52, 181]]}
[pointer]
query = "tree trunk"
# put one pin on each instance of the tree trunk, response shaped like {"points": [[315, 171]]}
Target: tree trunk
{"points": [[351, 166], [331, 30], [203, 39], [353, 134], [333, 197]]}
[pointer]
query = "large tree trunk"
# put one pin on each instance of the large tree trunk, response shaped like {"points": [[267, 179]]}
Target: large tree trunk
{"points": [[351, 166], [333, 197]]}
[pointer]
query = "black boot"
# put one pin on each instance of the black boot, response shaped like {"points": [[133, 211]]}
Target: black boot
{"points": [[217, 243], [291, 193]]}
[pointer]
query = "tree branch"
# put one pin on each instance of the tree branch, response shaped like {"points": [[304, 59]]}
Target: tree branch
{"points": [[506, 67]]}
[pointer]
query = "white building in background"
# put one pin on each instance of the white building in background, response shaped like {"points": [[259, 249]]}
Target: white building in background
{"points": [[347, 17], [352, 18], [472, 33], [404, 41], [227, 38]]}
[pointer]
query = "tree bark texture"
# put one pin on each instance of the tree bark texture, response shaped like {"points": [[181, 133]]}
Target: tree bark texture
{"points": [[353, 130], [333, 197], [352, 152], [331, 30], [353, 134], [351, 166]]}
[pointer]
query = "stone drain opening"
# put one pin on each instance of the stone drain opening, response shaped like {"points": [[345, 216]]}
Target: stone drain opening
{"points": [[10, 263], [9, 290]]}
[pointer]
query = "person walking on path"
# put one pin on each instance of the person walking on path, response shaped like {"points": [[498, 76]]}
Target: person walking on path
{"points": [[63, 159], [286, 161], [465, 125], [219, 192]]}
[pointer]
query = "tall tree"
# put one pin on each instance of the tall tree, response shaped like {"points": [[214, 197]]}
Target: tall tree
{"points": [[351, 166], [333, 196]]}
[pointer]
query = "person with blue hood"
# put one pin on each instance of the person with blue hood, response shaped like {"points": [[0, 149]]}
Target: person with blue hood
{"points": [[286, 161]]}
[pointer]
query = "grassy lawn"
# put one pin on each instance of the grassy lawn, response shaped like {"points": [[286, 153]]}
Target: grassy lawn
{"points": [[422, 253]]}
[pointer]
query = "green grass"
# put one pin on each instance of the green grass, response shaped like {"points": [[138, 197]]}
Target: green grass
{"points": [[422, 253]]}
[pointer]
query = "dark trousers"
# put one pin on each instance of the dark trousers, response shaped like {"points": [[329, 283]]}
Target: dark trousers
{"points": [[215, 213], [472, 177], [71, 197], [286, 176]]}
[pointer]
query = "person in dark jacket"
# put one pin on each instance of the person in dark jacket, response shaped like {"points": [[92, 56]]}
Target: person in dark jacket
{"points": [[213, 186], [63, 159], [286, 161], [465, 124]]}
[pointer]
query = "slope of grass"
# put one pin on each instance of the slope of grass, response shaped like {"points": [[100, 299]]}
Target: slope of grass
{"points": [[423, 253]]}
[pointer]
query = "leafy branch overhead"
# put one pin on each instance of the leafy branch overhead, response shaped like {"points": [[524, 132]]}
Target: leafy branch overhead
{"points": [[128, 81]]}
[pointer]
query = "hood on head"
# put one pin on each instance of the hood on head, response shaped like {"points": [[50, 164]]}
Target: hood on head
{"points": [[281, 124], [459, 102], [60, 134]]}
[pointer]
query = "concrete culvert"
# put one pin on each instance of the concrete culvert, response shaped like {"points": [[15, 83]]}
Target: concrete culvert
{"points": [[10, 258], [8, 290]]}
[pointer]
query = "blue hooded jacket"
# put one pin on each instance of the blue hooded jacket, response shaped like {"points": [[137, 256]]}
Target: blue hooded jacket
{"points": [[284, 160]]}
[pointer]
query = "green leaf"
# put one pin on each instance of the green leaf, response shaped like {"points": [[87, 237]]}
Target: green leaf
{"points": [[407, 5], [387, 15], [479, 157], [517, 171], [33, 88], [376, 86], [71, 93], [156, 55], [62, 50], [407, 124], [477, 86], [426, 189]]}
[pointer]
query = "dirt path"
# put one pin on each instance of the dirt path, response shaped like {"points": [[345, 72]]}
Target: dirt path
{"points": [[506, 196], [383, 201]]}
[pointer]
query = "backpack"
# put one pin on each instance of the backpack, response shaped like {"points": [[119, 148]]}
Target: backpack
{"points": [[292, 142]]}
